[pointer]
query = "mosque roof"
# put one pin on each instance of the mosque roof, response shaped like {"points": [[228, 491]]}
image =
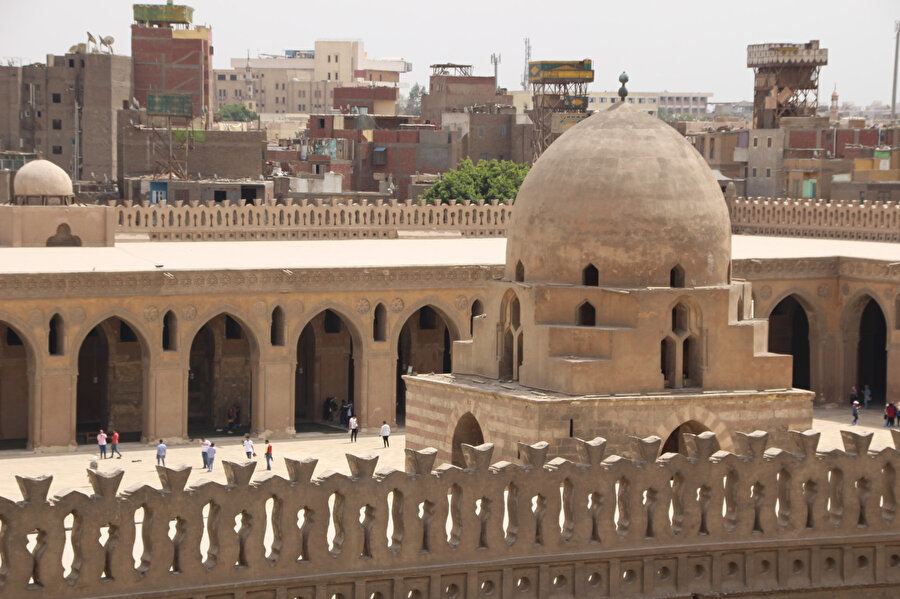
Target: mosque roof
{"points": [[42, 178]]}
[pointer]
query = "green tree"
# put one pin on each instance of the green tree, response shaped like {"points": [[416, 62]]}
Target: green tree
{"points": [[414, 100], [235, 112], [489, 180]]}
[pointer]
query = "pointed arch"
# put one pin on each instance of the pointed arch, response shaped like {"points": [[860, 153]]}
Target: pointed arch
{"points": [[520, 272], [170, 331], [56, 336], [17, 367], [468, 431], [676, 276], [379, 323], [590, 276], [277, 327], [586, 315]]}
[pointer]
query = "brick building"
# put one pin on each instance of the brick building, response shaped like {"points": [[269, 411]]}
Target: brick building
{"points": [[172, 56], [366, 100], [65, 110], [449, 92]]}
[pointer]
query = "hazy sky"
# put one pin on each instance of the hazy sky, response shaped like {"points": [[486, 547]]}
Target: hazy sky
{"points": [[684, 46]]}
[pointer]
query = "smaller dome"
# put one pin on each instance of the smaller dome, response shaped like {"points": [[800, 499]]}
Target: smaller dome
{"points": [[42, 178]]}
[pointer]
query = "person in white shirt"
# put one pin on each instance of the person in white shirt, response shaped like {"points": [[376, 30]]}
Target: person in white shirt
{"points": [[204, 448], [101, 442], [248, 447], [161, 454], [354, 428], [385, 433]]}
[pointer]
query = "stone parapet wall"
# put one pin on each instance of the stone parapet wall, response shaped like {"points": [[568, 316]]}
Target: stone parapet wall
{"points": [[862, 221], [333, 218], [309, 219], [756, 522]]}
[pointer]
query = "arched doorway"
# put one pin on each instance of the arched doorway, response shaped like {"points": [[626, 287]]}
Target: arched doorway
{"points": [[14, 391], [789, 334], [326, 370], [424, 345], [110, 387], [871, 356], [220, 392], [675, 441], [467, 431]]}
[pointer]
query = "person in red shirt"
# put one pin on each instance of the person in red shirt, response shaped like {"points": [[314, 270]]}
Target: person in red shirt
{"points": [[114, 440], [268, 455]]}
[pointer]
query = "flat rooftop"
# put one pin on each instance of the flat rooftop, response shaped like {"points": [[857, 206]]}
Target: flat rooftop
{"points": [[362, 253]]}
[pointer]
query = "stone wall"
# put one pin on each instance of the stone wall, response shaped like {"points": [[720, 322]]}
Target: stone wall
{"points": [[866, 221], [308, 219], [331, 218], [752, 523]]}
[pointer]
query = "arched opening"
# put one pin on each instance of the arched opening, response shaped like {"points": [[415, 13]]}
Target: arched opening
{"points": [[740, 308], [170, 332], [276, 327], [506, 359], [467, 431], [676, 276], [586, 315], [520, 352], [514, 310], [667, 361], [680, 318], [14, 389], [590, 276], [379, 323], [477, 310], [110, 386], [520, 272], [325, 386], [219, 380], [424, 345], [789, 334], [872, 351], [675, 441], [56, 341], [690, 362]]}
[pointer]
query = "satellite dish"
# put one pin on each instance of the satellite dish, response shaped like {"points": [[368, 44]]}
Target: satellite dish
{"points": [[108, 41]]}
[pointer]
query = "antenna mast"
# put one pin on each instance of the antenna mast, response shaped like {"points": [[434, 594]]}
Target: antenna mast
{"points": [[495, 60], [527, 60]]}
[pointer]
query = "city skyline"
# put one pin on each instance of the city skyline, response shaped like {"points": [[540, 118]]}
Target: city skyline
{"points": [[702, 49]]}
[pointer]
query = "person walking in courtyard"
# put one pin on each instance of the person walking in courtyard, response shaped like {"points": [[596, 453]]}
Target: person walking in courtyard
{"points": [[855, 413], [161, 454], [867, 396], [890, 412], [248, 447], [101, 443], [204, 449], [354, 428], [385, 433], [269, 455], [114, 447], [210, 456]]}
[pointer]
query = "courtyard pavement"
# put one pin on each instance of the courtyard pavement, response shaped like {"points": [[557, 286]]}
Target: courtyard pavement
{"points": [[139, 461]]}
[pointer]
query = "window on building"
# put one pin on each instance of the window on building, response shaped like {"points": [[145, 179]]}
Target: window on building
{"points": [[232, 77], [335, 76], [57, 98], [329, 76], [57, 149], [71, 63], [480, 130], [483, 156], [768, 142], [640, 100], [631, 100], [220, 77], [379, 157], [329, 58], [768, 172], [502, 130], [753, 172], [57, 124], [712, 149], [755, 142]]}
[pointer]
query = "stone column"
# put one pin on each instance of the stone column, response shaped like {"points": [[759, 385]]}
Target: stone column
{"points": [[166, 412], [892, 390], [377, 384], [273, 396], [51, 418]]}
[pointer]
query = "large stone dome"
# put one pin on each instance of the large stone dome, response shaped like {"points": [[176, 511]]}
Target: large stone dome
{"points": [[624, 192], [42, 178]]}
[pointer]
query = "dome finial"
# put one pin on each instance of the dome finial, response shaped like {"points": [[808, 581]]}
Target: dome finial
{"points": [[623, 92]]}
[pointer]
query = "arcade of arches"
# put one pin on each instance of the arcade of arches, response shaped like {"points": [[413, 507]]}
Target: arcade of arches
{"points": [[176, 366]]}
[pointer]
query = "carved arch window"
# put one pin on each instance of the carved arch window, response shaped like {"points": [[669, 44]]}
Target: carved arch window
{"points": [[170, 332], [676, 276], [56, 338], [511, 337], [586, 315], [276, 327], [681, 355], [590, 276], [520, 272], [379, 323], [476, 310]]}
